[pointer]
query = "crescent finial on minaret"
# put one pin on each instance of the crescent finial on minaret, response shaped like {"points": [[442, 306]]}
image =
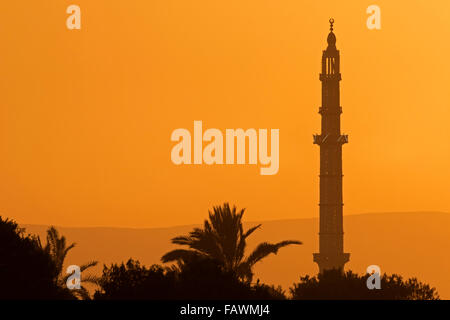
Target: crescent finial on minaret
{"points": [[331, 37]]}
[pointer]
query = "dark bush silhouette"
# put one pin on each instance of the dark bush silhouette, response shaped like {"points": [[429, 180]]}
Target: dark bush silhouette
{"points": [[198, 278], [203, 278], [334, 284], [26, 270], [133, 281]]}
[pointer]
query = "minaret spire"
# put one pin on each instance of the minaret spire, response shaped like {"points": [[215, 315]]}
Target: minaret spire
{"points": [[331, 236]]}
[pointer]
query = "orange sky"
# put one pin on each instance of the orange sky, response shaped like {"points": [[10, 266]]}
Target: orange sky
{"points": [[86, 116]]}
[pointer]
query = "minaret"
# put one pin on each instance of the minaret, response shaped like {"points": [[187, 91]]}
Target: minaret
{"points": [[331, 236]]}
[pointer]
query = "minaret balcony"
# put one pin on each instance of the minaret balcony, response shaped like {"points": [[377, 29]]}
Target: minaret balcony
{"points": [[317, 139], [325, 110], [320, 140], [330, 77], [343, 138]]}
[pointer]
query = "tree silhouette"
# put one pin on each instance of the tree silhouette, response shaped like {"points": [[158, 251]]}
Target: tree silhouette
{"points": [[197, 278], [223, 239], [57, 249], [26, 270], [131, 280], [335, 285], [204, 278]]}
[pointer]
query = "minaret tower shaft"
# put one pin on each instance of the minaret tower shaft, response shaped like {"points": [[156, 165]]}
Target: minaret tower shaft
{"points": [[331, 235]]}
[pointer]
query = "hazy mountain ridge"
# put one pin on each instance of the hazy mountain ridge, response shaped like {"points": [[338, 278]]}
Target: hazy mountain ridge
{"points": [[411, 244]]}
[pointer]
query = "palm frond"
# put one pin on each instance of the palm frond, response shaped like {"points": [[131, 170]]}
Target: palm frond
{"points": [[180, 254], [265, 248], [88, 265], [251, 230], [90, 279]]}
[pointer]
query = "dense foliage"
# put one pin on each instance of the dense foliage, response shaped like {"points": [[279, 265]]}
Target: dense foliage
{"points": [[337, 285], [213, 266], [27, 271], [197, 279]]}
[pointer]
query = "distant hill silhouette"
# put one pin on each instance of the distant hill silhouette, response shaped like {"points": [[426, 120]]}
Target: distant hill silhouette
{"points": [[410, 244]]}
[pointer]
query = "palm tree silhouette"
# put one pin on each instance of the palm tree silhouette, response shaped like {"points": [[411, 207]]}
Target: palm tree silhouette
{"points": [[57, 248], [223, 239]]}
